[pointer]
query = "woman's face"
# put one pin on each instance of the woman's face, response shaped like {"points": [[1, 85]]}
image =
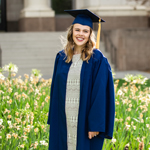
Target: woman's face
{"points": [[81, 34]]}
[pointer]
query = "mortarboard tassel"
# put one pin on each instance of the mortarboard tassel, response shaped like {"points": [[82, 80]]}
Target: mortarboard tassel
{"points": [[98, 35]]}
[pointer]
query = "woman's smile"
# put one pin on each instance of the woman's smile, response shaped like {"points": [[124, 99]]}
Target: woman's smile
{"points": [[80, 39]]}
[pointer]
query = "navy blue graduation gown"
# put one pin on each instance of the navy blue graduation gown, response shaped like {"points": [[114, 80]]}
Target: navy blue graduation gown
{"points": [[96, 106]]}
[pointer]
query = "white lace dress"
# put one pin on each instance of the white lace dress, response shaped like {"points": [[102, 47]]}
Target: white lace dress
{"points": [[72, 100]]}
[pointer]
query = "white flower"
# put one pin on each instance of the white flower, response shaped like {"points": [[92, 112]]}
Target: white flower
{"points": [[1, 121], [1, 92], [113, 140], [29, 126], [130, 105], [35, 103], [142, 121], [27, 106], [40, 75], [127, 126], [46, 144], [8, 136], [116, 119], [127, 145], [11, 67], [2, 77], [36, 143], [16, 93], [36, 91], [128, 118], [42, 142], [31, 78], [20, 81], [10, 125], [9, 122], [18, 127], [6, 68], [22, 146], [126, 79], [120, 92], [14, 69], [36, 73], [134, 127], [138, 139]]}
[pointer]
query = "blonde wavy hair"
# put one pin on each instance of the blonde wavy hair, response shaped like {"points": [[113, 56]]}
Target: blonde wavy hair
{"points": [[88, 48]]}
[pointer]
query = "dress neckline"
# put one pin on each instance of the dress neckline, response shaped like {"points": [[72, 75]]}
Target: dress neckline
{"points": [[76, 58], [77, 54]]}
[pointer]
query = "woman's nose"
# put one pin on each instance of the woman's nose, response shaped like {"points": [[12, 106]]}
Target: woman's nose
{"points": [[81, 33]]}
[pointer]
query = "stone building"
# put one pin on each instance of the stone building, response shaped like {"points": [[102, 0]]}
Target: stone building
{"points": [[125, 34], [38, 15]]}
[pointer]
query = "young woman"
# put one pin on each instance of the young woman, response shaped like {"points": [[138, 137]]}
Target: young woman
{"points": [[82, 103]]}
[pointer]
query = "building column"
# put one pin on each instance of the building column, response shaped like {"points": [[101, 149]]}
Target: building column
{"points": [[37, 16]]}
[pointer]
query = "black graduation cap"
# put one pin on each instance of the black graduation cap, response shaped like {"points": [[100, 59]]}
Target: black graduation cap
{"points": [[86, 17]]}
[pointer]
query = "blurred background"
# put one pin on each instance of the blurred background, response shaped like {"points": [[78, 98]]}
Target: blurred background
{"points": [[30, 33]]}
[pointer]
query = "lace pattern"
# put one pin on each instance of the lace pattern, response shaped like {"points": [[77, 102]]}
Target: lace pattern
{"points": [[72, 100]]}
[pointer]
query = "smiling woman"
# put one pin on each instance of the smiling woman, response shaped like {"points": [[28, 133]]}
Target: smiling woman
{"points": [[82, 104]]}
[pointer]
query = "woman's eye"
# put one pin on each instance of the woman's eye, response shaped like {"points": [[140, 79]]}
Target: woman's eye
{"points": [[85, 31]]}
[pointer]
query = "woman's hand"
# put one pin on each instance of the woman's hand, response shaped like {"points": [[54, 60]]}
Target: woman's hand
{"points": [[92, 134]]}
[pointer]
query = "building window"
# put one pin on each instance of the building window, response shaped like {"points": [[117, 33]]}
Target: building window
{"points": [[3, 15], [60, 5]]}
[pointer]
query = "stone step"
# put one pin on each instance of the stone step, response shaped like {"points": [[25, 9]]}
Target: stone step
{"points": [[30, 46], [36, 50], [27, 36]]}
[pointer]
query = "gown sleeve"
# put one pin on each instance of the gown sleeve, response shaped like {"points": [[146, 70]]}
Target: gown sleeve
{"points": [[52, 86], [102, 111]]}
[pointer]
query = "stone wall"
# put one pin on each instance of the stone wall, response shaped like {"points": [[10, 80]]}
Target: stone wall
{"points": [[37, 24], [40, 23], [133, 48], [13, 12], [62, 22], [116, 17], [124, 22]]}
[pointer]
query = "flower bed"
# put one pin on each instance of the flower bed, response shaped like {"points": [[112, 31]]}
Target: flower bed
{"points": [[24, 105]]}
